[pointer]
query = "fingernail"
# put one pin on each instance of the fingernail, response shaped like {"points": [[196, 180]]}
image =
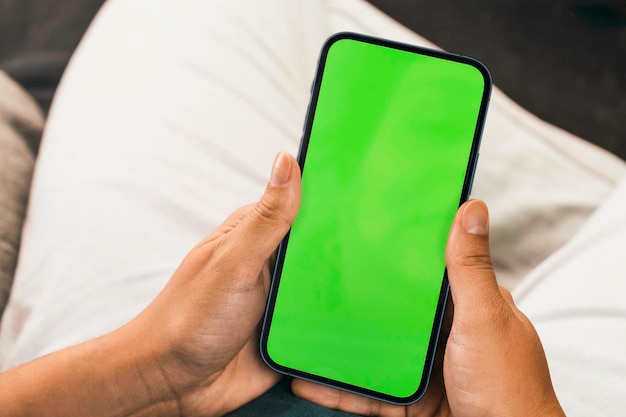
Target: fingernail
{"points": [[281, 170], [475, 218]]}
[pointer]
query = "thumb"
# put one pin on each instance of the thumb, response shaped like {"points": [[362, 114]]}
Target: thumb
{"points": [[470, 269], [267, 222]]}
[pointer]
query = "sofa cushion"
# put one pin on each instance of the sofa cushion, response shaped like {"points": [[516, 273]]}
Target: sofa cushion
{"points": [[21, 123]]}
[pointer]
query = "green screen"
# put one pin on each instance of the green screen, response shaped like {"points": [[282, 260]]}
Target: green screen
{"points": [[388, 152]]}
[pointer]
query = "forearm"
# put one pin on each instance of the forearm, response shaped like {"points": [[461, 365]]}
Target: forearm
{"points": [[110, 376]]}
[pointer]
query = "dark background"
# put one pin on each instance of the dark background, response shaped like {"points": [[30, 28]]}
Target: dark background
{"points": [[564, 60]]}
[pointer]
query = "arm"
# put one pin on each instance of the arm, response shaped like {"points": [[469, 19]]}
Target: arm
{"points": [[194, 349], [114, 375]]}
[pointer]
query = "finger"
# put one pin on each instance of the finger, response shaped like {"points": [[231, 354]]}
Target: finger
{"points": [[345, 401], [227, 225], [506, 294], [260, 231], [470, 269]]}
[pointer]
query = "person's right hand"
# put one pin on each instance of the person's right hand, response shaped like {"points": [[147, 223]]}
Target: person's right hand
{"points": [[494, 364]]}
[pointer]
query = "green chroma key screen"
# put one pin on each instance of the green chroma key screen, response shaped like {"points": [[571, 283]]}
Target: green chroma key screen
{"points": [[391, 138]]}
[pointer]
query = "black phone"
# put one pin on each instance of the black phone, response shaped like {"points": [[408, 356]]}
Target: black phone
{"points": [[388, 155]]}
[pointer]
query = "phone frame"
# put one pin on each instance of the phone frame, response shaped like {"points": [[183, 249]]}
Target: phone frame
{"points": [[467, 186]]}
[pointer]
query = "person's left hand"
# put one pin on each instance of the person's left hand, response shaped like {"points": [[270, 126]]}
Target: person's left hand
{"points": [[206, 339], [493, 363]]}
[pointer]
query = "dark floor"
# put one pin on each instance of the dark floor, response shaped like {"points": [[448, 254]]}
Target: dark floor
{"points": [[564, 60]]}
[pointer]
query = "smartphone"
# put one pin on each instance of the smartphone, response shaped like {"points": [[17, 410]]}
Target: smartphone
{"points": [[388, 154]]}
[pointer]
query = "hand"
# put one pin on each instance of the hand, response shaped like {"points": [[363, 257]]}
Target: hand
{"points": [[204, 323], [193, 351], [494, 364]]}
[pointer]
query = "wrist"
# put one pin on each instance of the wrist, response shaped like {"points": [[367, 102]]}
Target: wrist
{"points": [[164, 369], [138, 384], [112, 376]]}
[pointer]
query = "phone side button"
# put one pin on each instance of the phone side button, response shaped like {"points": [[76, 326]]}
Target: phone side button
{"points": [[471, 183], [306, 118]]}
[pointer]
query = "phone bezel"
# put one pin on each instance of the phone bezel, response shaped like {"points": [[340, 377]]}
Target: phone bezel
{"points": [[469, 176]]}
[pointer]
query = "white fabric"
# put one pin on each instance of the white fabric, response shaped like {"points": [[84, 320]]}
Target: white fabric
{"points": [[168, 118], [576, 300]]}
